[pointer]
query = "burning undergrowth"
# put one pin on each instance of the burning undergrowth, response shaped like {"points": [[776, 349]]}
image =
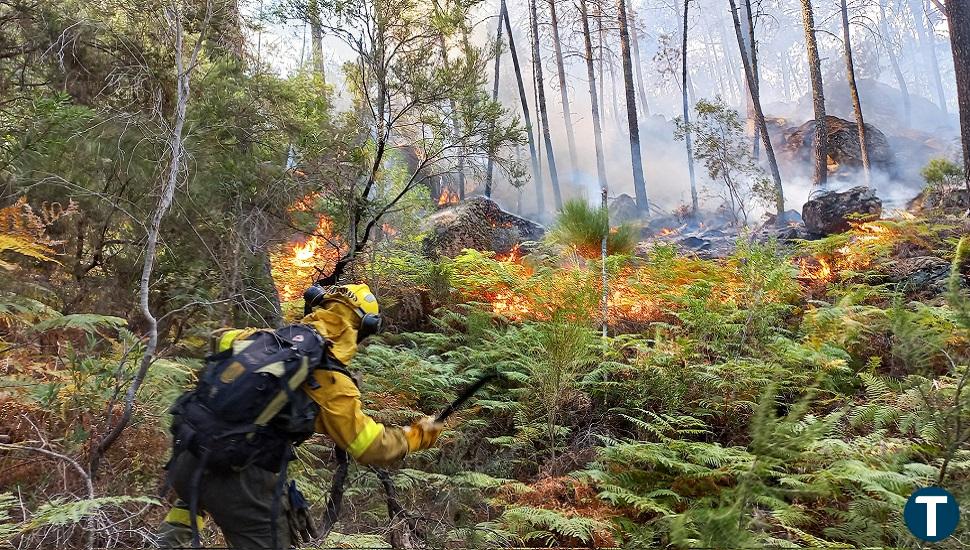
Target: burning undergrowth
{"points": [[298, 263], [870, 249], [640, 291]]}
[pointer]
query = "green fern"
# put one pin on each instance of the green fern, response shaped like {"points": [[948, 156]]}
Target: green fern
{"points": [[550, 526], [87, 322]]}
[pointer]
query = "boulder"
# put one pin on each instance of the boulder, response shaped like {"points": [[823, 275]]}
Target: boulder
{"points": [[478, 223], [830, 211], [623, 209], [947, 198], [883, 106], [920, 274], [844, 154]]}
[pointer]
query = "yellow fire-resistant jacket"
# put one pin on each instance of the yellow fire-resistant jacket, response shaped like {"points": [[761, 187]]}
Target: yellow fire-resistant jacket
{"points": [[341, 416]]}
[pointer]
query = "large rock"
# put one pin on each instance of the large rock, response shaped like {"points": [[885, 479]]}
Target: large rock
{"points": [[830, 212], [623, 209], [883, 105], [954, 199], [477, 223], [845, 155]]}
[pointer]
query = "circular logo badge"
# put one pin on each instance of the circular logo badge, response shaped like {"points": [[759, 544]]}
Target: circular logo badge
{"points": [[931, 514]]}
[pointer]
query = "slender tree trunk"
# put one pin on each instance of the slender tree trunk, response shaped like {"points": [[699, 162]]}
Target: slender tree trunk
{"points": [[614, 104], [316, 38], [533, 153], [785, 74], [639, 185], [593, 99], [543, 113], [601, 55], [455, 124], [635, 42], [489, 171], [889, 42], [958, 19], [927, 42], [854, 91], [760, 118], [755, 65], [687, 136], [747, 30], [563, 88], [818, 95], [739, 85], [715, 68], [176, 145]]}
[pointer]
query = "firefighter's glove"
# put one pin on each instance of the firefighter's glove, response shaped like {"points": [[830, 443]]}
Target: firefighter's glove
{"points": [[423, 433], [300, 523]]}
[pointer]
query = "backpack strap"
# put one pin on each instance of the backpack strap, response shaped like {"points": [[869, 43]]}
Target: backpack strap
{"points": [[277, 403]]}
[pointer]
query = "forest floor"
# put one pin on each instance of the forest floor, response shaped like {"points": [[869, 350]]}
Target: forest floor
{"points": [[783, 396]]}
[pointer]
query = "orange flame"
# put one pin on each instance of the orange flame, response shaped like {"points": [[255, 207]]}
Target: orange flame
{"points": [[667, 231], [514, 255], [294, 266], [447, 197], [858, 253]]}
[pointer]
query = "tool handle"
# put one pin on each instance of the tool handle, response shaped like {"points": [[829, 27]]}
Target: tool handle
{"points": [[465, 396]]}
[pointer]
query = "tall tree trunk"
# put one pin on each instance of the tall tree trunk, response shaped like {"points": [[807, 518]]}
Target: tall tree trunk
{"points": [[455, 124], [760, 117], [563, 89], [543, 113], [635, 42], [593, 99], [601, 52], [490, 169], [818, 96], [854, 91], [639, 185], [747, 31], [889, 42], [958, 19], [715, 67], [785, 74], [739, 85], [614, 104], [927, 42], [316, 38], [533, 153], [687, 136]]}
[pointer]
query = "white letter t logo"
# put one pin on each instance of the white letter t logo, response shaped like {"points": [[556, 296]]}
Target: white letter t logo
{"points": [[931, 502]]}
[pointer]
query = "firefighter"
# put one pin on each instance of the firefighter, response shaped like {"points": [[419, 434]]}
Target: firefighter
{"points": [[246, 503]]}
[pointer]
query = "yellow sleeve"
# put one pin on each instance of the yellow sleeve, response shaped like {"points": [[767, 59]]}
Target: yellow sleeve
{"points": [[342, 418]]}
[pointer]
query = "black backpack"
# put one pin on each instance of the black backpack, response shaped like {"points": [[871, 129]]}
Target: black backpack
{"points": [[248, 407]]}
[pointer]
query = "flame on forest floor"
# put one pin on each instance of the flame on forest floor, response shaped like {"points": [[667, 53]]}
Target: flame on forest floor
{"points": [[294, 266], [513, 255], [855, 255], [627, 300], [448, 197], [667, 231]]}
